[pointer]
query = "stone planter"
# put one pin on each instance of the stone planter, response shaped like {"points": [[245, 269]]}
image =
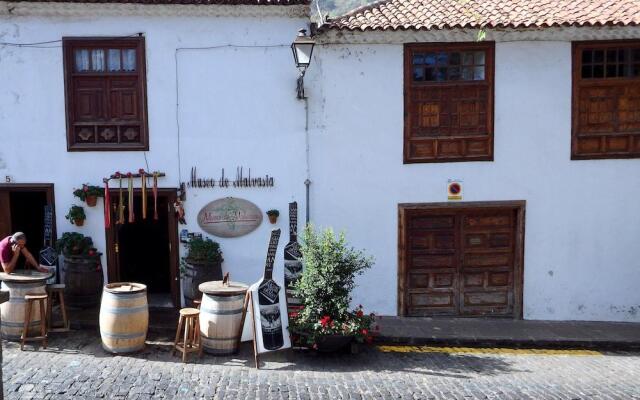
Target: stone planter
{"points": [[194, 274]]}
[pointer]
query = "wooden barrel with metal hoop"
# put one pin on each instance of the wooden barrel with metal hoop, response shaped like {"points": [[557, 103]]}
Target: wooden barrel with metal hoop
{"points": [[221, 316], [19, 283], [124, 317]]}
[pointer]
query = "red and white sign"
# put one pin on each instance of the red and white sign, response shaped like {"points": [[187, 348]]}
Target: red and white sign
{"points": [[454, 190]]}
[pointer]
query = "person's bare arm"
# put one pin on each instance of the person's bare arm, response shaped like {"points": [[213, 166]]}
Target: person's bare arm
{"points": [[31, 260], [11, 265]]}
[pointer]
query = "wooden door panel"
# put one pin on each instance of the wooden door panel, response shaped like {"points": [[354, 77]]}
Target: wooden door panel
{"points": [[460, 261], [5, 214], [432, 265], [487, 265]]}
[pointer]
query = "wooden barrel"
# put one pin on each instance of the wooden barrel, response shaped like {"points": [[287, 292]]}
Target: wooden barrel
{"points": [[221, 316], [124, 317], [83, 279], [196, 273], [12, 314]]}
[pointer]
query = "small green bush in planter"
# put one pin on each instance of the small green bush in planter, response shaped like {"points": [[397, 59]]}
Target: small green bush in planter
{"points": [[76, 244], [202, 263], [328, 278]]}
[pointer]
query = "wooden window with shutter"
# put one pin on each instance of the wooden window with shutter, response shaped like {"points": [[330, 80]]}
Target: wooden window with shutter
{"points": [[105, 88], [606, 100], [448, 102]]}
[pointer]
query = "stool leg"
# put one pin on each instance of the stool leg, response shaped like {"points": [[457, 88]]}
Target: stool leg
{"points": [[27, 322], [49, 312], [175, 343], [63, 309], [199, 336], [43, 323], [186, 335]]}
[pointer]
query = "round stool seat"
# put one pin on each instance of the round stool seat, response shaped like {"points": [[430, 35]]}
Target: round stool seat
{"points": [[189, 312], [35, 296], [56, 286]]}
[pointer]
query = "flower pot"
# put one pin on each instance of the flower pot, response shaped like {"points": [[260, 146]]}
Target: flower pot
{"points": [[196, 273], [273, 219], [333, 343], [91, 201], [78, 222]]}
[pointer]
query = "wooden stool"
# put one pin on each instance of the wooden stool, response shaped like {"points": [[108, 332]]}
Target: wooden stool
{"points": [[191, 343], [31, 298], [58, 289]]}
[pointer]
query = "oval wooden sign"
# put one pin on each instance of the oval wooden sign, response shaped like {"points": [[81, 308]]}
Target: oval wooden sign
{"points": [[229, 217]]}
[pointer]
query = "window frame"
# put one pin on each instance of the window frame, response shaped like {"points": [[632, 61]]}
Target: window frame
{"points": [[577, 82], [72, 42], [489, 79]]}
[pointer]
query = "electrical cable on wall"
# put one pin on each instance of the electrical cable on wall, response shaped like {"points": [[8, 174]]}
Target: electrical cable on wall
{"points": [[214, 47]]}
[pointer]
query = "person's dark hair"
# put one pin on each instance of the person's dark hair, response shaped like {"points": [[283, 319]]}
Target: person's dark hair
{"points": [[18, 236]]}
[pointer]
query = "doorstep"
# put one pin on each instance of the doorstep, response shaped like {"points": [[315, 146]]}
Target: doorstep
{"points": [[496, 332]]}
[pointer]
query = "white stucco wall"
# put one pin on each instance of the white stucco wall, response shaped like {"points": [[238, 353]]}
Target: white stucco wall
{"points": [[237, 108], [581, 262]]}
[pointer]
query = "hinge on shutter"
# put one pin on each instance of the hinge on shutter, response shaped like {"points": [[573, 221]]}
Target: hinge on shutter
{"points": [[117, 248]]}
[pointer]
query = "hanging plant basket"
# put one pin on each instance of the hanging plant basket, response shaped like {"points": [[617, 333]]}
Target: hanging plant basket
{"points": [[91, 201]]}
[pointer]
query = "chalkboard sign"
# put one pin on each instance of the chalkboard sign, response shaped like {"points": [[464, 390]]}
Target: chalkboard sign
{"points": [[48, 225], [269, 308]]}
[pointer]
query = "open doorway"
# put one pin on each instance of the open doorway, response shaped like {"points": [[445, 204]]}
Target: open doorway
{"points": [[22, 210], [145, 251]]}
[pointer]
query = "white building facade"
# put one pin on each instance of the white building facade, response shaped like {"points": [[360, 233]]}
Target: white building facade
{"points": [[538, 233]]}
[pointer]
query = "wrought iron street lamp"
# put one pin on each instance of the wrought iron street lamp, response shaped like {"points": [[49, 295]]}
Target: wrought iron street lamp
{"points": [[302, 49]]}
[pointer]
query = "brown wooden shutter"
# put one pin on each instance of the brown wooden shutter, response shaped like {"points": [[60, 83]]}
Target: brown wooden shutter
{"points": [[449, 116], [606, 100], [106, 97]]}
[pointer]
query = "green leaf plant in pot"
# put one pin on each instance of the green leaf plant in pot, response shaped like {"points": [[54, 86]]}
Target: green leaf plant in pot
{"points": [[273, 215], [202, 263], [81, 269], [89, 194], [76, 215], [327, 322]]}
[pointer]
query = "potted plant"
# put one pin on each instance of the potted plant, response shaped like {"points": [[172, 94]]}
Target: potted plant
{"points": [[89, 194], [76, 215], [326, 322], [202, 263], [273, 215], [82, 270]]}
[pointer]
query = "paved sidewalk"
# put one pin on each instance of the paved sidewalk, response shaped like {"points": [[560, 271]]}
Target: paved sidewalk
{"points": [[510, 333], [75, 367]]}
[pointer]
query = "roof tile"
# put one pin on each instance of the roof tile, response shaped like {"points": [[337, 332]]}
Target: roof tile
{"points": [[448, 14]]}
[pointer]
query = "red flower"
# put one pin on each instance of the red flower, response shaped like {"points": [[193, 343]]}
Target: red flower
{"points": [[141, 171], [326, 320], [293, 314], [365, 332], [359, 313], [91, 252]]}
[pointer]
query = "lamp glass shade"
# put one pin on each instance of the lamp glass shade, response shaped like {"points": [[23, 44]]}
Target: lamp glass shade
{"points": [[302, 51]]}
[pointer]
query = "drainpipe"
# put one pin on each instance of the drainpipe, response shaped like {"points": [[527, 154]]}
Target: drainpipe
{"points": [[307, 181]]}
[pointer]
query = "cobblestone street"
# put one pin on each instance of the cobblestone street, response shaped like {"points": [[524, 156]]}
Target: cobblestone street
{"points": [[75, 366]]}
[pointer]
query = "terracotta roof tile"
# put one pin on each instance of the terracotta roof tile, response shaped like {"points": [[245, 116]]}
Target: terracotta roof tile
{"points": [[169, 2], [448, 14]]}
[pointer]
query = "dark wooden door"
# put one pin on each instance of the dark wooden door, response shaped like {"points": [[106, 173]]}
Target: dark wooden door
{"points": [[460, 261], [115, 269]]}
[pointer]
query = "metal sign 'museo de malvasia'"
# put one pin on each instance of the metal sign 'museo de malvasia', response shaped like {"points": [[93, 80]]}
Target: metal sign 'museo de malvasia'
{"points": [[243, 179]]}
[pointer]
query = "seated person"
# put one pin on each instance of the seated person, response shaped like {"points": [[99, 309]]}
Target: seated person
{"points": [[10, 249]]}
